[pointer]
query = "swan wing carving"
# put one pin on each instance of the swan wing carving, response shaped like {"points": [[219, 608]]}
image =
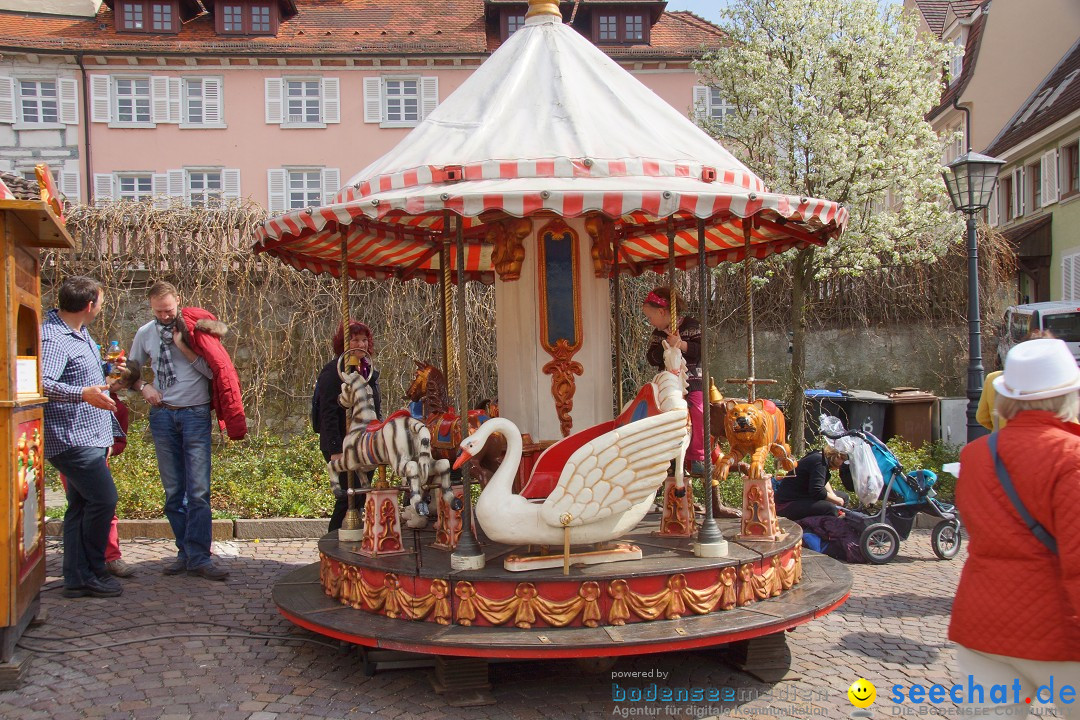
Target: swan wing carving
{"points": [[616, 471]]}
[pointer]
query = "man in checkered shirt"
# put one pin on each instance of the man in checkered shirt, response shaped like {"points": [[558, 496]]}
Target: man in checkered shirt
{"points": [[79, 429]]}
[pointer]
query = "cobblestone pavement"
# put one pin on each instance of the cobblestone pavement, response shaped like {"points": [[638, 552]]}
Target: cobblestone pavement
{"points": [[892, 631]]}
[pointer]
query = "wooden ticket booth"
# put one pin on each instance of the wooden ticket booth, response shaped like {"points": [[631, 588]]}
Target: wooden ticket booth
{"points": [[25, 226]]}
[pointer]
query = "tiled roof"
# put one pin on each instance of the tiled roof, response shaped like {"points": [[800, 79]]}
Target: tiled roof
{"points": [[936, 12], [1057, 96], [971, 56], [326, 27]]}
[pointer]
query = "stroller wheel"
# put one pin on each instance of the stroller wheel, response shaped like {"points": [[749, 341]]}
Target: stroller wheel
{"points": [[879, 543], [945, 539]]}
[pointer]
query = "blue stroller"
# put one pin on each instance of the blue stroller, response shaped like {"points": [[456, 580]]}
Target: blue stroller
{"points": [[904, 495]]}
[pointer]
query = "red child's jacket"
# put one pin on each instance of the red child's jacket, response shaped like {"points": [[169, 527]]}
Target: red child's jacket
{"points": [[204, 332]]}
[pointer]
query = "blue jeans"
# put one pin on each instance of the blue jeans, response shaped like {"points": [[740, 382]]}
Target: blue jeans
{"points": [[182, 442], [91, 497]]}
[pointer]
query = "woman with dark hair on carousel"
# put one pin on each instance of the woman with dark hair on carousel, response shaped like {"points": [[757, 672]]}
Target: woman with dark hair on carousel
{"points": [[1014, 618], [327, 416], [687, 337]]}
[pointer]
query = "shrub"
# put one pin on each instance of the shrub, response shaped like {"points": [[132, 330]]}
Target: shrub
{"points": [[261, 476]]}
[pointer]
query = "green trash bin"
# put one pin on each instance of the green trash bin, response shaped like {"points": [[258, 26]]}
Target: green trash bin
{"points": [[866, 411], [910, 416]]}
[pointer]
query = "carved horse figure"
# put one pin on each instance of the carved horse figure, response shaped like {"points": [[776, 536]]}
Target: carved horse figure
{"points": [[429, 387], [400, 441]]}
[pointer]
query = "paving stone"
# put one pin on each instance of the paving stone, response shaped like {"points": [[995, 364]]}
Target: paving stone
{"points": [[893, 630]]}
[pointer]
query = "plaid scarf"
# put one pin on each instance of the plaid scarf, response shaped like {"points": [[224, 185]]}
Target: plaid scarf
{"points": [[165, 370]]}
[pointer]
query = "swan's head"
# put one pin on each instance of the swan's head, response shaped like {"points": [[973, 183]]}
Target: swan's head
{"points": [[473, 444]]}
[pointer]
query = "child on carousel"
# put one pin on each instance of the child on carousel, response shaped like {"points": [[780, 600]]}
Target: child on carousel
{"points": [[687, 337]]}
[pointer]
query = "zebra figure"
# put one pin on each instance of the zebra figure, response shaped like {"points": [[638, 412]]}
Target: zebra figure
{"points": [[402, 442]]}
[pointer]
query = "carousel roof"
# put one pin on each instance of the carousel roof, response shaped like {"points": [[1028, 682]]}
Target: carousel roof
{"points": [[549, 125]]}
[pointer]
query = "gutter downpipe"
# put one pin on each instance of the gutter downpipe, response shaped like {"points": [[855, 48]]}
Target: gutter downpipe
{"points": [[86, 130], [967, 122]]}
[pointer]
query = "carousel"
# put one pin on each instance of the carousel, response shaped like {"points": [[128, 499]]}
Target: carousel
{"points": [[551, 172]]}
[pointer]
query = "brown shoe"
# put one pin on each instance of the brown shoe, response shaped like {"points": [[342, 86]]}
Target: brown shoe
{"points": [[119, 568]]}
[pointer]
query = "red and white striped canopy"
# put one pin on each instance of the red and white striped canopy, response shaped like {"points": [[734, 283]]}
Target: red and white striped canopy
{"points": [[548, 125]]}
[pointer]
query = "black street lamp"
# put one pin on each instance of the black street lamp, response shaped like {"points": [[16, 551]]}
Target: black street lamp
{"points": [[971, 179]]}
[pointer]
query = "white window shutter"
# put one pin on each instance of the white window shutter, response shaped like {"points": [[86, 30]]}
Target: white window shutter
{"points": [[176, 184], [373, 106], [159, 99], [701, 102], [100, 105], [331, 100], [1049, 165], [992, 209], [1070, 283], [176, 95], [273, 101], [103, 188], [230, 183], [1018, 192], [331, 183], [429, 95], [159, 185], [69, 185], [7, 100], [276, 183], [68, 90], [212, 101]]}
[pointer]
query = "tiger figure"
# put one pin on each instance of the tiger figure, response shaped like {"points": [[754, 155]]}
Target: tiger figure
{"points": [[754, 429], [400, 441]]}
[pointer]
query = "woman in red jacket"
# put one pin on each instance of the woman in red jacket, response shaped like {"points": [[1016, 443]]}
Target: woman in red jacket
{"points": [[1015, 612]]}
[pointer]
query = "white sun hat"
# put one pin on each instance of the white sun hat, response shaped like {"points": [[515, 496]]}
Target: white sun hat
{"points": [[1038, 369]]}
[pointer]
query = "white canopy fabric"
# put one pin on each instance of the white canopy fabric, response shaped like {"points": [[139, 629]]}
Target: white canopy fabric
{"points": [[548, 124]]}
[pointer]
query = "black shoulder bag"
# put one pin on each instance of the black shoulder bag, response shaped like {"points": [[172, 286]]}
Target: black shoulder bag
{"points": [[1007, 484]]}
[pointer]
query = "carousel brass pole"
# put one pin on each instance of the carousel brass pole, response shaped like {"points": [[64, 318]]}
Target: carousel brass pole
{"points": [[618, 330], [710, 541], [671, 277], [750, 359], [350, 530], [444, 285], [467, 555]]}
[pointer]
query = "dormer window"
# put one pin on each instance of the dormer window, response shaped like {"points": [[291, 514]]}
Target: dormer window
{"points": [[147, 16], [235, 18], [512, 22], [620, 27]]}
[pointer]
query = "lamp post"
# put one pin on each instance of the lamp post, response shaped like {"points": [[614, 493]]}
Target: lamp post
{"points": [[971, 179]]}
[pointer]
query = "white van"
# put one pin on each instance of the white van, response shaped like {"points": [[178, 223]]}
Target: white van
{"points": [[1060, 318]]}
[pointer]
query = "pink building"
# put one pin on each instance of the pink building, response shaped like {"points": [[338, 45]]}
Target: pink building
{"points": [[276, 100]]}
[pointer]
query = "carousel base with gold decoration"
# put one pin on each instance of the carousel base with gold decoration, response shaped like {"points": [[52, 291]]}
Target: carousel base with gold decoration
{"points": [[667, 600]]}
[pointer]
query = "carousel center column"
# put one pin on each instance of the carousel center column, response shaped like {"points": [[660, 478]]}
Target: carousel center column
{"points": [[553, 333]]}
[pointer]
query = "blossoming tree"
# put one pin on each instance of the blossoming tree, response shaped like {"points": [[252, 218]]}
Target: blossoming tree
{"points": [[827, 98]]}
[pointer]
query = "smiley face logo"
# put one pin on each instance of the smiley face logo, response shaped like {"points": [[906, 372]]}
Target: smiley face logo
{"points": [[862, 693]]}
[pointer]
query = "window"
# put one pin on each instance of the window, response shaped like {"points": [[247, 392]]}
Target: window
{"points": [[302, 101], [38, 101], [237, 19], [132, 100], [305, 188], [66, 181], [512, 22], [956, 62], [162, 18], [402, 101], [202, 102], [1007, 197], [710, 104], [260, 19], [298, 188], [609, 28], [954, 146], [205, 188], [135, 187], [1070, 184], [132, 14], [399, 101], [233, 19], [148, 16], [620, 27], [1034, 174]]}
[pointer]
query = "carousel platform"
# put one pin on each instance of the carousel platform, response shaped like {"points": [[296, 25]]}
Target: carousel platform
{"points": [[668, 600]]}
